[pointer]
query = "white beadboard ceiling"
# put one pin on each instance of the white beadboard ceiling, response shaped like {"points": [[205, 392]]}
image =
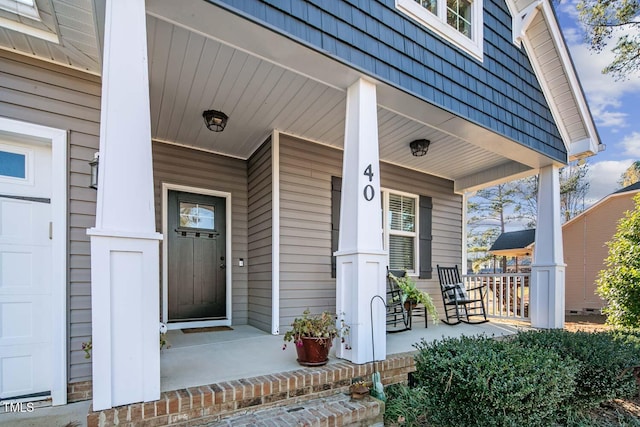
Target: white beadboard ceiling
{"points": [[68, 33]]}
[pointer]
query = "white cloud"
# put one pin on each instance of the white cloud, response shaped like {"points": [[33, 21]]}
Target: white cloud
{"points": [[603, 178], [631, 144]]}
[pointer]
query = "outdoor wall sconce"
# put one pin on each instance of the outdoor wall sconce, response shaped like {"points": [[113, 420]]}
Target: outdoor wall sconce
{"points": [[419, 147], [94, 171], [215, 120]]}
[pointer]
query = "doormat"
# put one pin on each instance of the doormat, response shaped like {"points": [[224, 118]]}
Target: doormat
{"points": [[208, 329]]}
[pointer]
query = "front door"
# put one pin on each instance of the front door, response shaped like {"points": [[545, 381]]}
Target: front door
{"points": [[25, 270], [196, 257]]}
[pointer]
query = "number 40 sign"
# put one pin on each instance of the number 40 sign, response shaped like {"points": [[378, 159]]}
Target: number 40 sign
{"points": [[369, 192]]}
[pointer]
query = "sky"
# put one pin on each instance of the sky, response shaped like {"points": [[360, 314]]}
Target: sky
{"points": [[614, 105]]}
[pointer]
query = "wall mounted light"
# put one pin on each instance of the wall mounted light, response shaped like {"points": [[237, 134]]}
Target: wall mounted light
{"points": [[215, 120], [94, 171], [419, 147]]}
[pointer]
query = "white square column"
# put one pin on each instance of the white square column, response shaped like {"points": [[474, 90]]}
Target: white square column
{"points": [[360, 259], [548, 268], [125, 261]]}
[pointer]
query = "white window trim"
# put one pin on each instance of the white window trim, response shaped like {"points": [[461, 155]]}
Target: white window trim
{"points": [[28, 8], [386, 230], [473, 45], [28, 164]]}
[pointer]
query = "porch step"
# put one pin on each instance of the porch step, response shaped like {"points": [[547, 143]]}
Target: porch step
{"points": [[212, 403], [336, 410]]}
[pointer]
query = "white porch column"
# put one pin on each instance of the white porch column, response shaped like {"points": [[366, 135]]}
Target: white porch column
{"points": [[124, 243], [547, 270], [360, 259]]}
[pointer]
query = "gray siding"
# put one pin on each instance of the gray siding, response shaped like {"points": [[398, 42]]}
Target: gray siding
{"points": [[183, 166], [260, 237], [305, 223], [49, 95]]}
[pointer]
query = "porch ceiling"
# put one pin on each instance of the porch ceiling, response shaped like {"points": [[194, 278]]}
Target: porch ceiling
{"points": [[190, 73]]}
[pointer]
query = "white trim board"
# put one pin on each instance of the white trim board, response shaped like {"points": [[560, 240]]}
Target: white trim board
{"points": [[57, 139], [165, 258]]}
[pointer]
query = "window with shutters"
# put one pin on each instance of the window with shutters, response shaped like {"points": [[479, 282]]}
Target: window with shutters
{"points": [[400, 230]]}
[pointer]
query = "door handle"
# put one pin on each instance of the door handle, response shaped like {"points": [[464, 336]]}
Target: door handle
{"points": [[223, 266]]}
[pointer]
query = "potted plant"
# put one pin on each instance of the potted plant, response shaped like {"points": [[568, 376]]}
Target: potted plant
{"points": [[313, 336], [412, 295]]}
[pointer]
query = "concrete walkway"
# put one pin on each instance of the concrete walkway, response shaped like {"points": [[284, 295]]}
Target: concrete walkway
{"points": [[71, 415]]}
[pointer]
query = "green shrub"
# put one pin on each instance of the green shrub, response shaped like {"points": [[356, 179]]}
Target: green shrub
{"points": [[619, 282], [483, 382], [405, 406], [602, 357]]}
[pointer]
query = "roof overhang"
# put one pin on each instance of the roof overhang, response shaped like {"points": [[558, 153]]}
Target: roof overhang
{"points": [[536, 28]]}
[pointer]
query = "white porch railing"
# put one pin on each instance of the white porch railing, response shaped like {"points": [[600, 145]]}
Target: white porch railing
{"points": [[507, 295]]}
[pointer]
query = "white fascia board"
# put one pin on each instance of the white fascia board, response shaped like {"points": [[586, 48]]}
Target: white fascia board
{"points": [[522, 19]]}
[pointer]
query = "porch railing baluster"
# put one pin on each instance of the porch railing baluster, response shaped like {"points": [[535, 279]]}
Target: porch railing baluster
{"points": [[507, 294]]}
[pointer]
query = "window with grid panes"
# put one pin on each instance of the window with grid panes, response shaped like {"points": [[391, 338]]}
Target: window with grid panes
{"points": [[401, 231], [458, 21]]}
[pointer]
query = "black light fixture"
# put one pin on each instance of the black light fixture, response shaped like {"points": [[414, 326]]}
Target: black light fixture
{"points": [[215, 120], [419, 147], [94, 171]]}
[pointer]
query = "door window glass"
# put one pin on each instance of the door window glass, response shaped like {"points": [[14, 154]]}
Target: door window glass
{"points": [[196, 215], [13, 165]]}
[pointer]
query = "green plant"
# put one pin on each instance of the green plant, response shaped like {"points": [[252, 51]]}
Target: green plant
{"points": [[605, 362], [411, 293], [619, 282], [479, 381], [405, 406], [87, 346], [318, 326]]}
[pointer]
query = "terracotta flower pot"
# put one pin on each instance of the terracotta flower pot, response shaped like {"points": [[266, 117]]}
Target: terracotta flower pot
{"points": [[313, 351]]}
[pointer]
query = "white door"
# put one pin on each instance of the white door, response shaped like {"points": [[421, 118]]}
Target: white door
{"points": [[26, 322]]}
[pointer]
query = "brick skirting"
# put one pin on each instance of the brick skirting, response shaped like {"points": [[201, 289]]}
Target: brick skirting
{"points": [[214, 401], [77, 392]]}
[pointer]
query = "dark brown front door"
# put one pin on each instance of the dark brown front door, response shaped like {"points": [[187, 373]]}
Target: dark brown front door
{"points": [[197, 257]]}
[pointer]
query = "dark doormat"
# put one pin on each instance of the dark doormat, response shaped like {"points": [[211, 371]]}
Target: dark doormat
{"points": [[208, 329]]}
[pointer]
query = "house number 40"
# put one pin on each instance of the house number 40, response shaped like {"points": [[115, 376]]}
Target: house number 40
{"points": [[369, 192]]}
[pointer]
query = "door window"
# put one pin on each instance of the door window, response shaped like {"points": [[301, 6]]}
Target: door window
{"points": [[13, 165], [196, 215]]}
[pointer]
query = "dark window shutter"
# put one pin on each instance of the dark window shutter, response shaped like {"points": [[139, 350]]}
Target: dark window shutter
{"points": [[336, 190], [425, 238]]}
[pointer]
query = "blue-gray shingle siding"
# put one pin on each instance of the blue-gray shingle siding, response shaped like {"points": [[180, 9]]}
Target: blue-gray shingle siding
{"points": [[500, 93]]}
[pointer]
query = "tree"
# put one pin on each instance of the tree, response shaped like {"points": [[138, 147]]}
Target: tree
{"points": [[608, 19], [573, 189], [631, 175], [527, 209], [619, 282], [491, 209]]}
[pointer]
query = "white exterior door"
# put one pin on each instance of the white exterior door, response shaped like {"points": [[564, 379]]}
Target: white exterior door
{"points": [[26, 306]]}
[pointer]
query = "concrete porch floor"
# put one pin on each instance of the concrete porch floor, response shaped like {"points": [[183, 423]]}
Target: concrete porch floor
{"points": [[194, 359]]}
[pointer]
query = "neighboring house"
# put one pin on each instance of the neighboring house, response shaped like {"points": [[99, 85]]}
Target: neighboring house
{"points": [[514, 244], [323, 99], [585, 240]]}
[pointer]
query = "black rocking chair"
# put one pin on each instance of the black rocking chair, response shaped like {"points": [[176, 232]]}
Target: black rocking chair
{"points": [[461, 304], [396, 313]]}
